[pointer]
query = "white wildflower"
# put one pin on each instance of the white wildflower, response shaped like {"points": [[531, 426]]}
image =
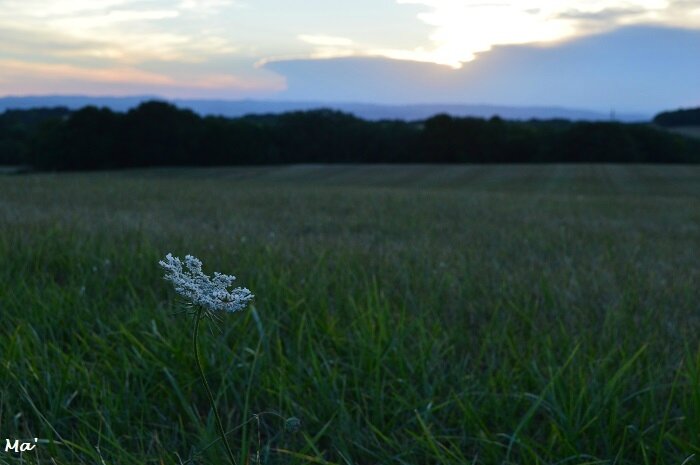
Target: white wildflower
{"points": [[210, 293]]}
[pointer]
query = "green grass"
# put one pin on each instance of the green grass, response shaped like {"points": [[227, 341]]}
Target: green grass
{"points": [[407, 315]]}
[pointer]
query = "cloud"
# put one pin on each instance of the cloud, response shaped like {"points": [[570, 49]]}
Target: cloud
{"points": [[606, 14], [462, 29], [325, 40], [639, 69], [167, 47], [325, 46], [209, 6], [22, 42], [44, 9], [212, 43], [28, 78], [87, 22], [63, 71], [127, 31]]}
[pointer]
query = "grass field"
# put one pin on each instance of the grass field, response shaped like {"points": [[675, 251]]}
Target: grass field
{"points": [[407, 315]]}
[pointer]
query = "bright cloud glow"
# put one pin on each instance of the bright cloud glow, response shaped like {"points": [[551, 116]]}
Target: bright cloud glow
{"points": [[464, 28], [329, 41]]}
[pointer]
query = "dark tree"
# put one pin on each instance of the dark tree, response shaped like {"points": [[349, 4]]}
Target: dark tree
{"points": [[158, 133]]}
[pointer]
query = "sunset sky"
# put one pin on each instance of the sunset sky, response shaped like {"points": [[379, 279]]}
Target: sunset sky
{"points": [[632, 55]]}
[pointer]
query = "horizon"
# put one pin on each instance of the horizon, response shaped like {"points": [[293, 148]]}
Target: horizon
{"points": [[365, 110], [637, 56]]}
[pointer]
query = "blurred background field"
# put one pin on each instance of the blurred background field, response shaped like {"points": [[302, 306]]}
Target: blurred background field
{"points": [[407, 314]]}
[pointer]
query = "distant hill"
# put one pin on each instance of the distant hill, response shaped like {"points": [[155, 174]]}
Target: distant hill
{"points": [[684, 121], [373, 112], [679, 118]]}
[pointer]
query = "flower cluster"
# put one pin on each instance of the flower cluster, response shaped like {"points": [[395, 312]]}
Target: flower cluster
{"points": [[211, 293]]}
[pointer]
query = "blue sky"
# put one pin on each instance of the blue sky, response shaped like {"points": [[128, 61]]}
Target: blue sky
{"points": [[633, 55]]}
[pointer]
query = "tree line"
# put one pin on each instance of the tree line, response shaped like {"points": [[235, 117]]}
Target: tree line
{"points": [[684, 117], [158, 133]]}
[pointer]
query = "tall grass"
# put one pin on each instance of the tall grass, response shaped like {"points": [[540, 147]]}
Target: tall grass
{"points": [[415, 315]]}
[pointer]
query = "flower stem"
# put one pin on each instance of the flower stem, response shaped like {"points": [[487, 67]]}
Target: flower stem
{"points": [[222, 432]]}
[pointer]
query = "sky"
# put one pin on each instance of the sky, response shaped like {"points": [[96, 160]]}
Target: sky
{"points": [[631, 55]]}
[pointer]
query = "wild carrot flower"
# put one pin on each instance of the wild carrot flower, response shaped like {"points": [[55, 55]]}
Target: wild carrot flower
{"points": [[210, 293]]}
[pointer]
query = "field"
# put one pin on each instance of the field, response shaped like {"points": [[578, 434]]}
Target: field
{"points": [[406, 315], [690, 131]]}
